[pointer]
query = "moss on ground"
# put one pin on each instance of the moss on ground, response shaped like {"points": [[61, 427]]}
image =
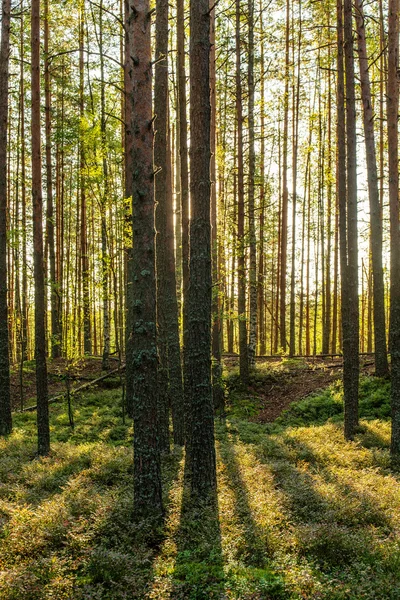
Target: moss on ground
{"points": [[301, 514]]}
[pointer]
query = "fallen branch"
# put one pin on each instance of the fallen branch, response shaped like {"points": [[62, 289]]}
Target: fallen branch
{"points": [[80, 388]]}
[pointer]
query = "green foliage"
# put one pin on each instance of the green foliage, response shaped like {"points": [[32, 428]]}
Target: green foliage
{"points": [[374, 403], [301, 513]]}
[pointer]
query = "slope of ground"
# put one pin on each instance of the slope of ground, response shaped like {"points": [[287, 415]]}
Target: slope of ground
{"points": [[301, 514], [276, 384]]}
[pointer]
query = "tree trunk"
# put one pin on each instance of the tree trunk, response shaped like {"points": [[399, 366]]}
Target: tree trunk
{"points": [[243, 348], [170, 374], [128, 104], [55, 322], [251, 196], [143, 356], [38, 262], [381, 362], [201, 451], [184, 172], [5, 398], [392, 117], [87, 330], [105, 259], [285, 191], [350, 298]]}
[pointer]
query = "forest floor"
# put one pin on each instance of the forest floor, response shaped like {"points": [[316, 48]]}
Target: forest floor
{"points": [[300, 514], [80, 372]]}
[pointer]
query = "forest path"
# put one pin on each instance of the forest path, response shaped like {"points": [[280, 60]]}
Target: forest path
{"points": [[294, 379]]}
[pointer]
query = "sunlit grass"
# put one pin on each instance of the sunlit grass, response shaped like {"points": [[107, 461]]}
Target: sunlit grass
{"points": [[301, 513]]}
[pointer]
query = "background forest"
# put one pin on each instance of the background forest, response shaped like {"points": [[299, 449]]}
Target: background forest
{"points": [[199, 224]]}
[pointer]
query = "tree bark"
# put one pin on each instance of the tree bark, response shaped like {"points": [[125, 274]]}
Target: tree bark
{"points": [[381, 361], [5, 397], [350, 295], [38, 260], [143, 356], [251, 195], [393, 147], [241, 258], [201, 449], [184, 185]]}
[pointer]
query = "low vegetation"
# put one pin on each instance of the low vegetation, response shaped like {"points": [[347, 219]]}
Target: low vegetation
{"points": [[301, 514]]}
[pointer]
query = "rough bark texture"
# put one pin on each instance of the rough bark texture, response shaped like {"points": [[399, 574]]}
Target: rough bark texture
{"points": [[38, 262], [54, 292], [128, 103], [170, 373], [143, 356], [285, 192], [201, 447], [184, 174], [392, 116], [84, 253], [218, 390], [5, 400], [351, 332], [241, 260], [381, 361], [251, 194]]}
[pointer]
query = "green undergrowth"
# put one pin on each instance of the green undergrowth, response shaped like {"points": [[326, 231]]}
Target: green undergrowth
{"points": [[300, 513], [374, 403]]}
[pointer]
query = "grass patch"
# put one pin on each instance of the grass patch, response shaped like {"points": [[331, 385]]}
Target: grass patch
{"points": [[300, 513], [374, 403]]}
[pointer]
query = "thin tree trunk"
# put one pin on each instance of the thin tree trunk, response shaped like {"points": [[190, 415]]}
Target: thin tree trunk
{"points": [[55, 324], [170, 374], [87, 330], [218, 390], [381, 362], [243, 348], [392, 117], [295, 141], [184, 185], [105, 259], [351, 331], [251, 196], [5, 397], [285, 191], [38, 259]]}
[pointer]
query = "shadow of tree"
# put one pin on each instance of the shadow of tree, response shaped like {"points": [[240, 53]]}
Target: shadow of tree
{"points": [[256, 547], [199, 566], [334, 522], [120, 565]]}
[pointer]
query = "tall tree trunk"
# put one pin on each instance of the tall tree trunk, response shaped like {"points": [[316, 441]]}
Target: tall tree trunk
{"points": [[162, 166], [184, 172], [381, 362], [328, 287], [55, 322], [5, 397], [392, 116], [128, 104], [295, 142], [243, 348], [261, 258], [84, 254], [201, 446], [251, 195], [38, 260], [105, 259], [285, 190], [218, 390], [143, 356], [170, 374], [350, 292]]}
